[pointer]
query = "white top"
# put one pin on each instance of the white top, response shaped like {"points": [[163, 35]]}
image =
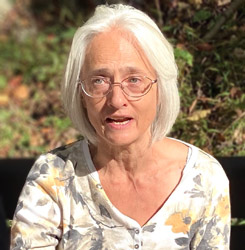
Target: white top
{"points": [[64, 206]]}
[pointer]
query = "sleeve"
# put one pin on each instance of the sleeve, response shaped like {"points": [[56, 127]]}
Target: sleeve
{"points": [[37, 219], [215, 230]]}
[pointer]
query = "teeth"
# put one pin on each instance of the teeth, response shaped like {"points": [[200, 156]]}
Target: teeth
{"points": [[124, 122]]}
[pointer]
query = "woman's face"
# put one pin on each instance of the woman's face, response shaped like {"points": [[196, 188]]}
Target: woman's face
{"points": [[118, 119]]}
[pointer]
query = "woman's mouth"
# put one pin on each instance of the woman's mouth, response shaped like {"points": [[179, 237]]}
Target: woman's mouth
{"points": [[118, 122]]}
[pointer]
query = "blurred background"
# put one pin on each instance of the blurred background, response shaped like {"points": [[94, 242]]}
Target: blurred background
{"points": [[209, 43]]}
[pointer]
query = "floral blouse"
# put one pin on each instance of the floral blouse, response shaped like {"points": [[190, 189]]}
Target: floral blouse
{"points": [[64, 206]]}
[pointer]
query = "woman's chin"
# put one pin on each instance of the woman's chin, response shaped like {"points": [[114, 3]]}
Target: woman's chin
{"points": [[123, 139]]}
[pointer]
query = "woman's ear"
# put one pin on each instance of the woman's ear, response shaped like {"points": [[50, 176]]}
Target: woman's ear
{"points": [[82, 96], [83, 101]]}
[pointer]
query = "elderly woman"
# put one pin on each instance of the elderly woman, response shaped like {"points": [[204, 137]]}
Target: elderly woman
{"points": [[126, 185]]}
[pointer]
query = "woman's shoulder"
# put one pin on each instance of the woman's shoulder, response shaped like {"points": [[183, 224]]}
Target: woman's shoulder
{"points": [[201, 161], [68, 151], [62, 159], [207, 165], [172, 150], [210, 166]]}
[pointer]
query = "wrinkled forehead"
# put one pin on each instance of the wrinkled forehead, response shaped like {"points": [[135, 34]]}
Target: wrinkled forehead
{"points": [[115, 36], [115, 46]]}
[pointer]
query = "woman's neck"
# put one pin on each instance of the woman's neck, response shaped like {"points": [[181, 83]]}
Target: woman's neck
{"points": [[131, 158]]}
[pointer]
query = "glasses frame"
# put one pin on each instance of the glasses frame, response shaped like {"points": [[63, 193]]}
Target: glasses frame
{"points": [[80, 83]]}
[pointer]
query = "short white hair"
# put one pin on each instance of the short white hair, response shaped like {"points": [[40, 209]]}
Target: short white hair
{"points": [[156, 48]]}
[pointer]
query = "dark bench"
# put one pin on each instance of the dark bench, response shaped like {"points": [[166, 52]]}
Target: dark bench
{"points": [[13, 173], [235, 170]]}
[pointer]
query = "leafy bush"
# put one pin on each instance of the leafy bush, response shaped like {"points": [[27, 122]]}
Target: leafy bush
{"points": [[211, 82]]}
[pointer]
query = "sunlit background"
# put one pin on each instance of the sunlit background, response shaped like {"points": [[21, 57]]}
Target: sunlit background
{"points": [[209, 42]]}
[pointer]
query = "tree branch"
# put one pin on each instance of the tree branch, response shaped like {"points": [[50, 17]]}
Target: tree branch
{"points": [[222, 19], [159, 13]]}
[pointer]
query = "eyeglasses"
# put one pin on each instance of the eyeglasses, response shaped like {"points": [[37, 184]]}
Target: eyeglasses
{"points": [[133, 86]]}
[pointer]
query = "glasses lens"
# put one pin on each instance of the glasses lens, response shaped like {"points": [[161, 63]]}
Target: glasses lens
{"points": [[133, 86], [136, 86], [96, 86]]}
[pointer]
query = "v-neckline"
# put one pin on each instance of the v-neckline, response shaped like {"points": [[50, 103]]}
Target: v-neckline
{"points": [[191, 159]]}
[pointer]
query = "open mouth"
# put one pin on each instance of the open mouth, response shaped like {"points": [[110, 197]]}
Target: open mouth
{"points": [[119, 121]]}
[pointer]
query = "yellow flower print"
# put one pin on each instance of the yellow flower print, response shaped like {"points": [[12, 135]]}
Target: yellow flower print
{"points": [[51, 182], [223, 208], [180, 222]]}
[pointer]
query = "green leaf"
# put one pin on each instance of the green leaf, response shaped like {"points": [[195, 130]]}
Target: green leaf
{"points": [[184, 55], [167, 28], [201, 15], [3, 82], [68, 33]]}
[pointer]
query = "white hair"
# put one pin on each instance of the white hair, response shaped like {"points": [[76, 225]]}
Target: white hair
{"points": [[156, 48]]}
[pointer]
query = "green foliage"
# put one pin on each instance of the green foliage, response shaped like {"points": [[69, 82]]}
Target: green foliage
{"points": [[181, 54], [201, 15], [211, 79], [212, 87], [3, 82], [9, 223], [13, 130], [61, 124], [237, 222], [40, 59]]}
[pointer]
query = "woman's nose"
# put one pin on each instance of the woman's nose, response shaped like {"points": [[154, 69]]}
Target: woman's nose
{"points": [[116, 98]]}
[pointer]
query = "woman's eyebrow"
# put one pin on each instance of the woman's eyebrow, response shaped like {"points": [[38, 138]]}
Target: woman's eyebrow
{"points": [[101, 71], [124, 70], [130, 70]]}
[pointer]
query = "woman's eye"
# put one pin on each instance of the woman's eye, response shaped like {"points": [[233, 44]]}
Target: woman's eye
{"points": [[134, 80], [97, 81]]}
